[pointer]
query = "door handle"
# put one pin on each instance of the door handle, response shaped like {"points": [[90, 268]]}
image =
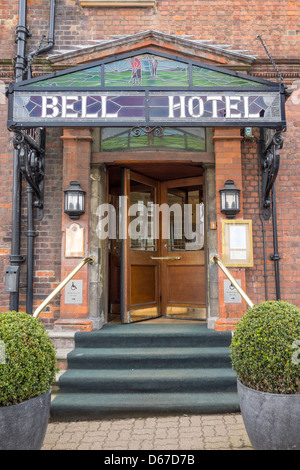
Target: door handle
{"points": [[170, 258]]}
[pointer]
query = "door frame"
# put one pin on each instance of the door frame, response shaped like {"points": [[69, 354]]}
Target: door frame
{"points": [[125, 252], [100, 164]]}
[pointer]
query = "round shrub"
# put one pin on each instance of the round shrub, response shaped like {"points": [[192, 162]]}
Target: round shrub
{"points": [[265, 348], [28, 359]]}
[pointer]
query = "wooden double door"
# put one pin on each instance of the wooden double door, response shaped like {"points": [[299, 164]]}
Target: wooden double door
{"points": [[157, 259]]}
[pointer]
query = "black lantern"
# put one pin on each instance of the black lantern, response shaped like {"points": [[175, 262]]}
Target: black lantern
{"points": [[74, 200], [230, 200]]}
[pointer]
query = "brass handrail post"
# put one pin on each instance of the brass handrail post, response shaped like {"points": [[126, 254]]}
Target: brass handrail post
{"points": [[89, 259], [217, 261]]}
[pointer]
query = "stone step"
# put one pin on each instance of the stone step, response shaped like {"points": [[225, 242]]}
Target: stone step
{"points": [[148, 380], [146, 369], [92, 406], [148, 358], [63, 339], [152, 335]]}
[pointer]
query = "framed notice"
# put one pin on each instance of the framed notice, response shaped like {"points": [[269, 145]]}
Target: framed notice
{"points": [[237, 247]]}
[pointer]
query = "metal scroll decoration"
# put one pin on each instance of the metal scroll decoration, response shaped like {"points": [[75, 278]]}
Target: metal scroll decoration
{"points": [[146, 130], [31, 150], [270, 166]]}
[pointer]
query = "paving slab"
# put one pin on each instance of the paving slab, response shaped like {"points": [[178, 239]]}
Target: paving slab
{"points": [[183, 432]]}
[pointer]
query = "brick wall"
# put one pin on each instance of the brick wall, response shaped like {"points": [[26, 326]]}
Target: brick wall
{"points": [[288, 202], [288, 222], [48, 243], [232, 21], [235, 22], [256, 276], [6, 165]]}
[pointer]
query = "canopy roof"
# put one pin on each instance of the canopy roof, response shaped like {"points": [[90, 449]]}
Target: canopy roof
{"points": [[146, 87]]}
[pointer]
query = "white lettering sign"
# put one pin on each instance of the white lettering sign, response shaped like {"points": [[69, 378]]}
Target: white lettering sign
{"points": [[232, 106], [214, 100], [244, 108], [50, 103], [180, 104], [67, 110]]}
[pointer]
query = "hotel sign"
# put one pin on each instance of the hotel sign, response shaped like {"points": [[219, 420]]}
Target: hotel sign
{"points": [[86, 108]]}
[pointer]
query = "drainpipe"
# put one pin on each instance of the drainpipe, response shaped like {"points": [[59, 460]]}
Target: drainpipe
{"points": [[261, 217], [50, 45], [31, 234], [275, 256], [30, 249], [20, 66], [22, 34]]}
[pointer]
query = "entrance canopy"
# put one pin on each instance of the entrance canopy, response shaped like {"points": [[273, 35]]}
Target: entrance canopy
{"points": [[146, 88]]}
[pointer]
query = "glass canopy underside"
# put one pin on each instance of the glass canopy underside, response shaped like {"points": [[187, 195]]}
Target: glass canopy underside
{"points": [[146, 70]]}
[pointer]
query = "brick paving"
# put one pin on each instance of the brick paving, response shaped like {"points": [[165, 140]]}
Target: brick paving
{"points": [[185, 432]]}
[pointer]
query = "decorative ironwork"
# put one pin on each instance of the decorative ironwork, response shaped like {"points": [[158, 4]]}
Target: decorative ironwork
{"points": [[189, 139], [32, 163], [138, 131], [270, 57], [270, 165]]}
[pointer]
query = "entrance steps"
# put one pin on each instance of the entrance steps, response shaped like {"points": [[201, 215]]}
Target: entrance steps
{"points": [[147, 369]]}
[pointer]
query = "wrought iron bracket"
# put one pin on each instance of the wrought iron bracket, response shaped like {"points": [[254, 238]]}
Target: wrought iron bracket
{"points": [[275, 257], [270, 160], [32, 165], [138, 131]]}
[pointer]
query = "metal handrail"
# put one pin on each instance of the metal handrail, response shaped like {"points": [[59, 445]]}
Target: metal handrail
{"points": [[217, 261], [89, 259]]}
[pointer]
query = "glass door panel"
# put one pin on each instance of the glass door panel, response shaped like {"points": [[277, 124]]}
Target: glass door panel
{"points": [[141, 217], [186, 225], [141, 249], [183, 276]]}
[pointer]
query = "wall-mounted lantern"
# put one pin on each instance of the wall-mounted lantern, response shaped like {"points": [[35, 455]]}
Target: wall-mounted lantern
{"points": [[74, 200], [230, 200]]}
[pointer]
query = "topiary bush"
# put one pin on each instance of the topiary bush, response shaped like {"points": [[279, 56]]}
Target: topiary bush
{"points": [[28, 359], [265, 348]]}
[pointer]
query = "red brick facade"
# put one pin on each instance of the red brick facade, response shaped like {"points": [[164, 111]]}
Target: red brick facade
{"points": [[235, 22]]}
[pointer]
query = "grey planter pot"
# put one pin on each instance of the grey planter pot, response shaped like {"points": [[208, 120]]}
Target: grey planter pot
{"points": [[23, 426], [272, 421]]}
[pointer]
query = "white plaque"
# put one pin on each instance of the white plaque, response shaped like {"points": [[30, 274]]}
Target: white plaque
{"points": [[73, 292], [74, 241], [231, 295]]}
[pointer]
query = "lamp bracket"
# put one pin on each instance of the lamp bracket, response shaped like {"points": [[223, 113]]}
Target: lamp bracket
{"points": [[31, 148], [270, 160]]}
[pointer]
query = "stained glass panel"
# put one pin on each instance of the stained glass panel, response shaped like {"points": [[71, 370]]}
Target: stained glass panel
{"points": [[153, 138], [90, 77], [224, 106], [210, 78], [146, 70]]}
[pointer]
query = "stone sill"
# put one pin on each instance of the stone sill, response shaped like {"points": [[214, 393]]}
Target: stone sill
{"points": [[118, 3]]}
